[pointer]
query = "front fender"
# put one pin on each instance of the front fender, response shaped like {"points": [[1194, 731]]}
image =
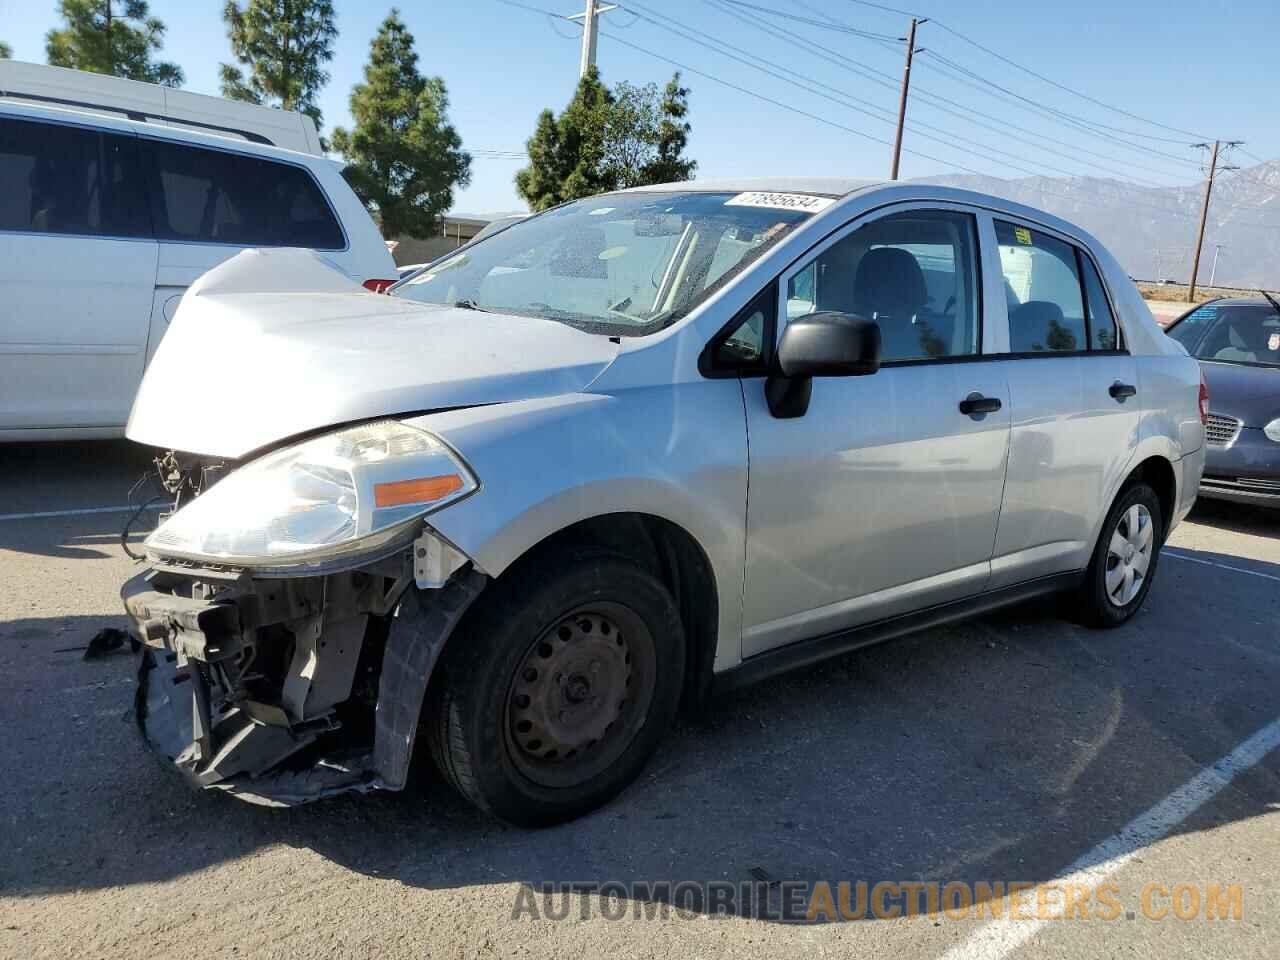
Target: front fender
{"points": [[676, 451]]}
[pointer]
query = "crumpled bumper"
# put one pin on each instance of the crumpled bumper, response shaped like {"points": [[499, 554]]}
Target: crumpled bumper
{"points": [[288, 691]]}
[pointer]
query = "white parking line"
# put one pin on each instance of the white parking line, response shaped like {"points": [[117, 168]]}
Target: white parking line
{"points": [[1001, 937], [1221, 566], [73, 513]]}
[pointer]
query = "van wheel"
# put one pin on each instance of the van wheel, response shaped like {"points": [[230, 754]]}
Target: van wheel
{"points": [[1124, 560], [558, 689]]}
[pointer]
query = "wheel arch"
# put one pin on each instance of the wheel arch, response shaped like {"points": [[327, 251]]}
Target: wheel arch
{"points": [[1158, 473], [671, 554]]}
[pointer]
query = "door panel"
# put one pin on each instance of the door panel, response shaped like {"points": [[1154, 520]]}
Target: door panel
{"points": [[884, 496], [882, 486], [77, 269], [1071, 446], [73, 328], [1073, 435]]}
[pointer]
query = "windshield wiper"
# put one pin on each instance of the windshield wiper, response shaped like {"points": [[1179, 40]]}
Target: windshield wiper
{"points": [[1275, 304], [469, 305]]}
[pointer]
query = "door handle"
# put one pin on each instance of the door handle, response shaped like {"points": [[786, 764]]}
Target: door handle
{"points": [[975, 404], [1120, 392]]}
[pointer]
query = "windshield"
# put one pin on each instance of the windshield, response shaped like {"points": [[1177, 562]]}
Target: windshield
{"points": [[623, 265], [1235, 333]]}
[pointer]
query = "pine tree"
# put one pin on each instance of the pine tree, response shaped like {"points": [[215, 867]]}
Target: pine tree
{"points": [[102, 39], [566, 153], [671, 164], [6, 51], [284, 45], [404, 157], [607, 139]]}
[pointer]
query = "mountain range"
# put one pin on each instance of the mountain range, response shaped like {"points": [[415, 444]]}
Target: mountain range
{"points": [[1152, 230]]}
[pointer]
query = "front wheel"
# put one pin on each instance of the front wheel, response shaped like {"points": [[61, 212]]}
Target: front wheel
{"points": [[558, 689], [1124, 560]]}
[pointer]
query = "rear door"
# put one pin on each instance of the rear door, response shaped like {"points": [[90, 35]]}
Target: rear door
{"points": [[1075, 404], [77, 270], [208, 204]]}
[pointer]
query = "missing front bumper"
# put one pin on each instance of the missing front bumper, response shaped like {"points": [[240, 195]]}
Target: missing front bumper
{"points": [[287, 691]]}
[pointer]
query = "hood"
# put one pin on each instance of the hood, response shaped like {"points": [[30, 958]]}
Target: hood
{"points": [[276, 343], [1250, 394]]}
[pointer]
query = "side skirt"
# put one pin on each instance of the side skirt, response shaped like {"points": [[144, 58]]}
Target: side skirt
{"points": [[807, 652]]}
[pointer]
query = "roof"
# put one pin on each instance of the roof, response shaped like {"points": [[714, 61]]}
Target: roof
{"points": [[822, 186]]}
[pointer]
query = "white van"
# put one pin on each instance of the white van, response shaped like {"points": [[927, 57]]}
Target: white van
{"points": [[104, 223]]}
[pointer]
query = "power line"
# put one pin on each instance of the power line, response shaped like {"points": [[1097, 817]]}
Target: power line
{"points": [[1073, 118], [867, 108], [1061, 86], [936, 100]]}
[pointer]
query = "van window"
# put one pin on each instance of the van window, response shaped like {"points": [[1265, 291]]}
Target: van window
{"points": [[216, 196], [1042, 287], [69, 180]]}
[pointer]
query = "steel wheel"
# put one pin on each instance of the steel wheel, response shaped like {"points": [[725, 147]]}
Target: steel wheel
{"points": [[580, 695], [1129, 554]]}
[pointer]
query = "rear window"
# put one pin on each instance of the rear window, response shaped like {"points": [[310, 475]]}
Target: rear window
{"points": [[56, 178], [216, 196]]}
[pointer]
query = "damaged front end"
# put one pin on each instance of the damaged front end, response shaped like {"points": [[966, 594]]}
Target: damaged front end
{"points": [[284, 691], [294, 609]]}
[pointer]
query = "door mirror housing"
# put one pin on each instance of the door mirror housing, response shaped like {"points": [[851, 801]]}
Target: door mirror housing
{"points": [[825, 344]]}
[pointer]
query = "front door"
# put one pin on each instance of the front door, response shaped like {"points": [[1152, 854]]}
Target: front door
{"points": [[885, 495]]}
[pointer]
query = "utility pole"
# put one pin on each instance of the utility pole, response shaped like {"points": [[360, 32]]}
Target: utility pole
{"points": [[590, 33], [906, 87], [1213, 271], [111, 54], [1204, 209]]}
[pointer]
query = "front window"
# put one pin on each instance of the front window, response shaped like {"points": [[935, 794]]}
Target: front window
{"points": [[914, 273], [1231, 333], [623, 265]]}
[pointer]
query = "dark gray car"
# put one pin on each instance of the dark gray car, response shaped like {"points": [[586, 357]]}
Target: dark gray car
{"points": [[1237, 342]]}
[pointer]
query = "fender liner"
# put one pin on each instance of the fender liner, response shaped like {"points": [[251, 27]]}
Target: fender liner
{"points": [[422, 623]]}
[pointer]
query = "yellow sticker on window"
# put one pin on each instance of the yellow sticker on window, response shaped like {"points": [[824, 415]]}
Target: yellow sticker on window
{"points": [[1022, 235]]}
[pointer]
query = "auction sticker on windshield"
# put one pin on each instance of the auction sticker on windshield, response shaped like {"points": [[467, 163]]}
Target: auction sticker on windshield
{"points": [[780, 201]]}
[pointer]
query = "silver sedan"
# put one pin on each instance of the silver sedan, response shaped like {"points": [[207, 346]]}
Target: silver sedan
{"points": [[624, 453]]}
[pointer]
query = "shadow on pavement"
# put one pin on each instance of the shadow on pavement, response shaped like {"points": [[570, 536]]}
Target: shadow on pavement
{"points": [[1000, 749]]}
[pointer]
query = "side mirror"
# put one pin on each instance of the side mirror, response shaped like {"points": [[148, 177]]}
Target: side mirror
{"points": [[827, 344]]}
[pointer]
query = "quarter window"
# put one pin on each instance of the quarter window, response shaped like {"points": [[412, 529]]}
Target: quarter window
{"points": [[69, 180], [915, 273], [1042, 287], [1102, 323], [216, 196]]}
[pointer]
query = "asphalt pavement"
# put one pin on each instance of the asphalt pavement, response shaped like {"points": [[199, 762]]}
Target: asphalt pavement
{"points": [[1015, 748]]}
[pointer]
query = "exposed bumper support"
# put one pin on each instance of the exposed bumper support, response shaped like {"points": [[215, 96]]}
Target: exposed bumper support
{"points": [[286, 691]]}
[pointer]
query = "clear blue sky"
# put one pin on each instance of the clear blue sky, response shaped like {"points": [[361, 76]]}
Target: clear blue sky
{"points": [[1206, 67]]}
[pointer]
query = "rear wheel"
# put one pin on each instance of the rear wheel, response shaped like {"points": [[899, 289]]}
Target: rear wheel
{"points": [[1124, 560], [558, 689]]}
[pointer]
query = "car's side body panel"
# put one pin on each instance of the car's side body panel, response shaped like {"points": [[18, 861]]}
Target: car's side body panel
{"points": [[545, 465]]}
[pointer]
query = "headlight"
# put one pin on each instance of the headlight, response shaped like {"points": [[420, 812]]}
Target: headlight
{"points": [[353, 491], [1272, 430]]}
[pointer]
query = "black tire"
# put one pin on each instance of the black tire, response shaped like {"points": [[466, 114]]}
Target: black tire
{"points": [[602, 640], [1097, 603]]}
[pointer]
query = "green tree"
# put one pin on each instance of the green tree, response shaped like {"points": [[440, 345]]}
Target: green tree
{"points": [[6, 51], [404, 157], [102, 39], [605, 140], [283, 44]]}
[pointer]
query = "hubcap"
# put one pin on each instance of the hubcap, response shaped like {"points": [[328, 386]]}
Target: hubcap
{"points": [[580, 694], [1129, 554]]}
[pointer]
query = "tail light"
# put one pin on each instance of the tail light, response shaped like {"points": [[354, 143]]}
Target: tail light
{"points": [[1204, 399], [378, 286]]}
